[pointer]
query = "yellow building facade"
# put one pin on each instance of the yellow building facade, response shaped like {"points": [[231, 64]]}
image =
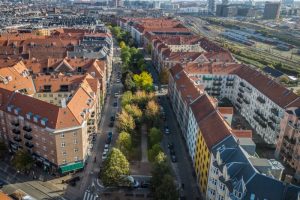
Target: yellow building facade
{"points": [[202, 161]]}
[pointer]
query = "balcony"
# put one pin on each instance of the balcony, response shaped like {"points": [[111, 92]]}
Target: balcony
{"points": [[216, 83], [205, 78], [291, 141], [207, 89], [261, 100], [215, 93], [230, 79], [28, 137], [248, 89], [218, 79], [273, 119], [17, 139], [27, 129], [238, 106], [229, 84], [216, 89], [16, 131], [240, 95], [241, 90], [239, 100], [242, 84], [14, 123], [271, 125], [275, 111], [246, 101], [28, 144]]}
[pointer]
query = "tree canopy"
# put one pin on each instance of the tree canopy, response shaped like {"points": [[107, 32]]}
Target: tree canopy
{"points": [[152, 112], [126, 122], [154, 151], [124, 143], [134, 111], [155, 136], [114, 167], [143, 81], [22, 160], [167, 189]]}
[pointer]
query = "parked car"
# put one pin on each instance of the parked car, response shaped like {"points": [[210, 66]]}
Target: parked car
{"points": [[104, 155], [112, 118], [172, 152], [118, 81], [2, 183], [116, 94], [115, 104], [173, 158], [108, 140], [167, 131], [111, 124], [170, 145], [110, 134]]}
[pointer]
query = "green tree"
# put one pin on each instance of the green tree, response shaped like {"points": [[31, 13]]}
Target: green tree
{"points": [[126, 122], [141, 64], [124, 143], [154, 151], [114, 167], [284, 80], [159, 169], [167, 189], [149, 48], [22, 160], [143, 81], [125, 56], [160, 158], [164, 76], [152, 112], [155, 136], [3, 149], [134, 111], [122, 44], [129, 83], [116, 31], [127, 98]]}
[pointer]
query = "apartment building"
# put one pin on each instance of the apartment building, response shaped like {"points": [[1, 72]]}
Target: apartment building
{"points": [[288, 147], [234, 174], [138, 27], [51, 108], [213, 145]]}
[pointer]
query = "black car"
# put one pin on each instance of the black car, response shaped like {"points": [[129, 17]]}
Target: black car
{"points": [[115, 104], [173, 158], [108, 140], [172, 152], [111, 124], [112, 118], [170, 146], [2, 183], [94, 138]]}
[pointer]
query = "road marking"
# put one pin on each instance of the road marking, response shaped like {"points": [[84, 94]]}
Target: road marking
{"points": [[89, 196]]}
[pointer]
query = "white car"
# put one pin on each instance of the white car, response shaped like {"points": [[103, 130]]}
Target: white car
{"points": [[106, 149], [104, 155], [118, 81]]}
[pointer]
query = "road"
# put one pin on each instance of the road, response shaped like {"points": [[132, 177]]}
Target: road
{"points": [[183, 168], [89, 185]]}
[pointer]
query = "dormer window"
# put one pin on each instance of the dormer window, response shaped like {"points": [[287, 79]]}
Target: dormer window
{"points": [[44, 121], [36, 118], [9, 108], [28, 115], [17, 111]]}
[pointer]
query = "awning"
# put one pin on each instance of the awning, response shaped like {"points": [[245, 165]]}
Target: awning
{"points": [[71, 167]]}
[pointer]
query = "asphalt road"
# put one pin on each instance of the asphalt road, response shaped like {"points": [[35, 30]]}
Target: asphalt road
{"points": [[89, 176], [183, 169]]}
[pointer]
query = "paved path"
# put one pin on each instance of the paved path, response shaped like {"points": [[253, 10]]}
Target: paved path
{"points": [[144, 144]]}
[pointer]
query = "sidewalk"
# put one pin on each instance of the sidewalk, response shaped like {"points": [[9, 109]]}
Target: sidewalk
{"points": [[144, 144]]}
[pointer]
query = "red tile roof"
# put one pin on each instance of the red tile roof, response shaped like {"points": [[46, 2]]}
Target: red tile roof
{"points": [[242, 133]]}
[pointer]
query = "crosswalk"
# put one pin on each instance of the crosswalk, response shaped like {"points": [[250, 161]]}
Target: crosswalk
{"points": [[88, 195]]}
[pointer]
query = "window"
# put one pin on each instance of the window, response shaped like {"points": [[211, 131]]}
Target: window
{"points": [[75, 141], [44, 148], [63, 144], [62, 135], [74, 133], [64, 153], [76, 150], [75, 158], [44, 95], [64, 161], [222, 186]]}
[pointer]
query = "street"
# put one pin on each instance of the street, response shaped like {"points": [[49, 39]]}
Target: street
{"points": [[183, 167], [89, 185]]}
